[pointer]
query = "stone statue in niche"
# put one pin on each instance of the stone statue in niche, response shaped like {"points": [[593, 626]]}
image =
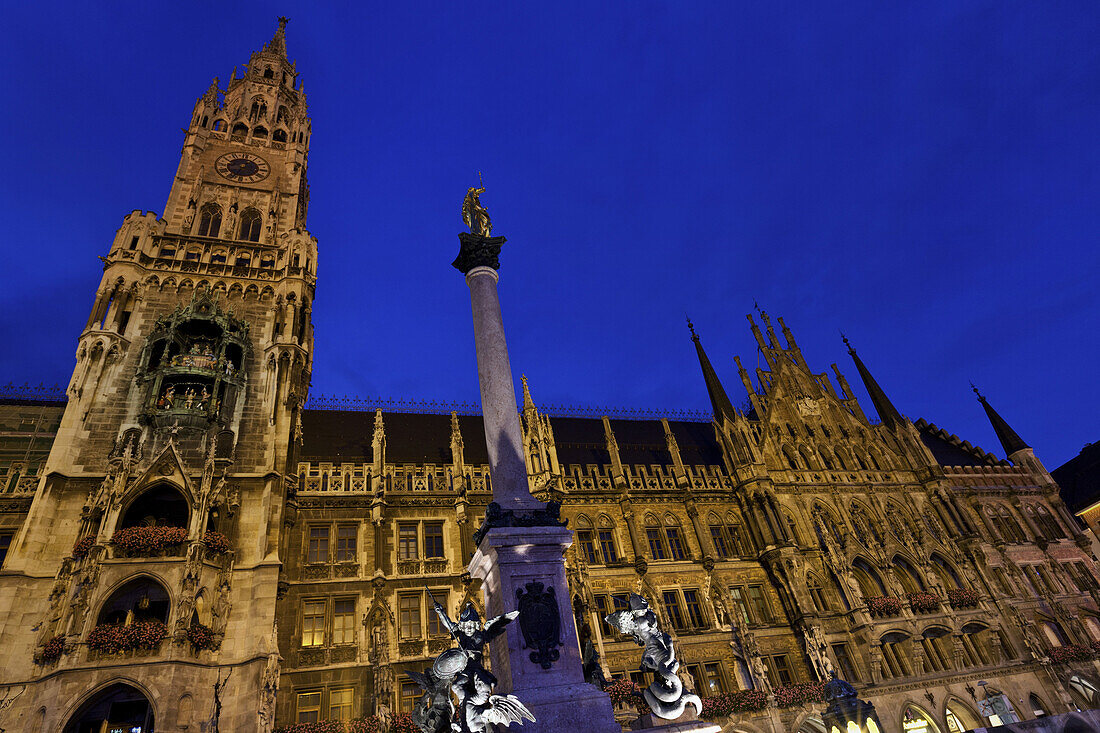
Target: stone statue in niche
{"points": [[665, 695]]}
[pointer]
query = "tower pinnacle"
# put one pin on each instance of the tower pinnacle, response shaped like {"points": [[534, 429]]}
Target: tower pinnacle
{"points": [[277, 44], [885, 409], [1010, 441], [719, 400]]}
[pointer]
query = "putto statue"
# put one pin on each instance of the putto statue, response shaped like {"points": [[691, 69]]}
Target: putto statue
{"points": [[462, 672], [474, 214], [666, 694]]}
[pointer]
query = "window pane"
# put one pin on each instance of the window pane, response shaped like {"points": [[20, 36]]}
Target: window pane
{"points": [[716, 684], [588, 546], [318, 544], [739, 601], [759, 604], [736, 544], [675, 543], [343, 621], [602, 611], [673, 612], [410, 693], [5, 543], [406, 542], [718, 537], [607, 546], [847, 669], [409, 616], [435, 626], [656, 544], [309, 707], [433, 539], [313, 623], [782, 669], [346, 543], [339, 704], [694, 611]]}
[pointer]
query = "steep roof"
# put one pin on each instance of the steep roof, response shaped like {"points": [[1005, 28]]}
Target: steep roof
{"points": [[343, 436], [1079, 478], [950, 450]]}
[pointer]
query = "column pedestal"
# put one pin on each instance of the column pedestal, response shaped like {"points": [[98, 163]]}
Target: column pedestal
{"points": [[507, 559]]}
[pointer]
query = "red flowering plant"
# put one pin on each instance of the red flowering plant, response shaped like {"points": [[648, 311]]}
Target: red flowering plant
{"points": [[401, 724], [115, 638], [923, 602], [962, 597], [733, 703], [1070, 653], [627, 692], [883, 606], [83, 546], [799, 693], [1095, 646], [148, 541], [216, 542], [51, 651], [200, 636]]}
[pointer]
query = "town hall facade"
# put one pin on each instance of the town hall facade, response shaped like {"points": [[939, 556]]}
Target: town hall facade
{"points": [[190, 546]]}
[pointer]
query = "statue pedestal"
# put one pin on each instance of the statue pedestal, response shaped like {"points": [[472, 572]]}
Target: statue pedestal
{"points": [[507, 559], [685, 723]]}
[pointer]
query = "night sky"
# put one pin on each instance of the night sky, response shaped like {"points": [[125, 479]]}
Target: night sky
{"points": [[922, 176]]}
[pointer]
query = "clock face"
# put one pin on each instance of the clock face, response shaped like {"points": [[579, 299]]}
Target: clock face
{"points": [[243, 167]]}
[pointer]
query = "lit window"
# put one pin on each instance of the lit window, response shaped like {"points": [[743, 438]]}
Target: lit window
{"points": [[715, 682], [339, 703], [345, 543], [313, 623], [318, 544], [433, 539], [409, 616], [309, 707], [343, 621], [407, 542]]}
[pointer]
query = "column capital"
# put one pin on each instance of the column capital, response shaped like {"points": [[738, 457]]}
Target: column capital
{"points": [[476, 251]]}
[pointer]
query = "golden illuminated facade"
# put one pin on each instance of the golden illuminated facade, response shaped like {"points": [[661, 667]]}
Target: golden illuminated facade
{"points": [[188, 543]]}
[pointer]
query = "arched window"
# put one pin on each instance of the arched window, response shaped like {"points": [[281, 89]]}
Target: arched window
{"points": [[251, 222], [1054, 633], [960, 717], [792, 527], [938, 653], [160, 506], [665, 540], [915, 720], [1038, 709], [725, 536], [867, 577], [125, 706], [219, 125], [210, 220], [792, 462], [817, 593], [895, 657], [268, 73], [907, 575], [259, 132], [1049, 524], [258, 111], [240, 129], [141, 599], [946, 573], [279, 136], [1007, 526], [586, 540]]}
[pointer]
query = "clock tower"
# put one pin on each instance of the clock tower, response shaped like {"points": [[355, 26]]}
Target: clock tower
{"points": [[147, 570]]}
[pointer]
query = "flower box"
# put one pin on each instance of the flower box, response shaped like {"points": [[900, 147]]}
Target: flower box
{"points": [[115, 638], [148, 541], [200, 636], [962, 598], [923, 602], [83, 546], [800, 693], [216, 542], [883, 606], [51, 651], [733, 703], [627, 692], [402, 723], [1071, 653]]}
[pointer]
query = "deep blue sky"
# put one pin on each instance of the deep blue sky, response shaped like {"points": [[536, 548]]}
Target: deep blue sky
{"points": [[921, 175]]}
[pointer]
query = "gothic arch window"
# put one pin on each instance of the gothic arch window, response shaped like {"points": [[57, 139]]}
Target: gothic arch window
{"points": [[219, 125], [907, 575], [210, 220], [825, 460], [975, 646], [817, 593], [258, 111], [860, 462], [862, 525], [915, 720], [674, 536], [792, 526], [868, 579], [1049, 524], [960, 717], [1038, 709], [119, 696], [1007, 526], [240, 129], [874, 461], [938, 651], [282, 116], [586, 540], [895, 657], [159, 506], [947, 574], [806, 460], [260, 132], [268, 73], [725, 537], [1085, 689], [792, 462], [1054, 633], [279, 136], [140, 599], [251, 222]]}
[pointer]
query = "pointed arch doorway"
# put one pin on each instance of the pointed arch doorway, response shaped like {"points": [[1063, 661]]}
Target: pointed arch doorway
{"points": [[117, 707]]}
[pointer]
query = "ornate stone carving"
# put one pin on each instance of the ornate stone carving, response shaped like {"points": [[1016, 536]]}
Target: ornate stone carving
{"points": [[539, 622], [495, 516]]}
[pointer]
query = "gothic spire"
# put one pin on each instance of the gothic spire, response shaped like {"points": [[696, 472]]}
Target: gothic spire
{"points": [[719, 401], [885, 409], [1010, 441], [277, 44]]}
